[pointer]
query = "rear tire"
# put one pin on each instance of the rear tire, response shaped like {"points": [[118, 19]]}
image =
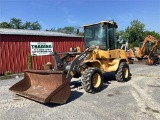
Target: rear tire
{"points": [[92, 80], [123, 73]]}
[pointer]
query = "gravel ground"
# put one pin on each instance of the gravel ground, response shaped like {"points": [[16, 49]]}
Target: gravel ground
{"points": [[136, 99]]}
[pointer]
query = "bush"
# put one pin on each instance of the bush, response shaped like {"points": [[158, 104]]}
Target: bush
{"points": [[7, 73], [29, 61]]}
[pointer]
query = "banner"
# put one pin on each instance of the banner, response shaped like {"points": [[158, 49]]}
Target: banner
{"points": [[41, 48]]}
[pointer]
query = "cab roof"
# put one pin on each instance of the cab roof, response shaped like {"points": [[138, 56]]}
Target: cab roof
{"points": [[105, 22]]}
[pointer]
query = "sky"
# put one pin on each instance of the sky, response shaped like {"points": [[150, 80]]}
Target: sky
{"points": [[62, 13]]}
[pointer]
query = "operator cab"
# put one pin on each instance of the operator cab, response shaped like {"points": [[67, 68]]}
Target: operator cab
{"points": [[101, 34]]}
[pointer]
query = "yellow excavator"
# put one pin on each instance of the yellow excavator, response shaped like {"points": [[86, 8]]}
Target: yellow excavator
{"points": [[100, 56]]}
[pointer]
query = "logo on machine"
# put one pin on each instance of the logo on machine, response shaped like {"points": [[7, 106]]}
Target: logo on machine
{"points": [[81, 57]]}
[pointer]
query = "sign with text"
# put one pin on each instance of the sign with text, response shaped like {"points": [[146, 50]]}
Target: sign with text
{"points": [[41, 48]]}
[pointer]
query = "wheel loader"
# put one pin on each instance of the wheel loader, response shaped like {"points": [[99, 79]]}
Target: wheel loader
{"points": [[100, 56]]}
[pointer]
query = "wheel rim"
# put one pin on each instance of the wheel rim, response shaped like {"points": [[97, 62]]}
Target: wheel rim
{"points": [[126, 72], [96, 80]]}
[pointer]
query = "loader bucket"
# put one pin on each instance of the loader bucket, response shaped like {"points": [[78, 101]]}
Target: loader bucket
{"points": [[43, 86]]}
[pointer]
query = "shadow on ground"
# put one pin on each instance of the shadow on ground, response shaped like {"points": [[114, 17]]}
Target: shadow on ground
{"points": [[75, 85], [107, 78]]}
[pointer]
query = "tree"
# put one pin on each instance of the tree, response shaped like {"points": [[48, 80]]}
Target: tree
{"points": [[134, 33], [69, 29], [27, 25], [60, 30], [36, 26], [52, 29], [16, 23], [4, 25], [122, 36], [153, 33]]}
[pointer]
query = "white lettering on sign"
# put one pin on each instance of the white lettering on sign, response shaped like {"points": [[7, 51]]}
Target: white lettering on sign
{"points": [[41, 48]]}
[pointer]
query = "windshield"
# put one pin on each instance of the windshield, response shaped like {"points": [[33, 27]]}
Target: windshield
{"points": [[95, 35]]}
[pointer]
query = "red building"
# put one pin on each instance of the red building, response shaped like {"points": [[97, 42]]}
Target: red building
{"points": [[15, 48]]}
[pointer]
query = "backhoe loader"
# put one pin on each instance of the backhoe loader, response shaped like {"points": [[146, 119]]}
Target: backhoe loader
{"points": [[145, 51], [100, 56]]}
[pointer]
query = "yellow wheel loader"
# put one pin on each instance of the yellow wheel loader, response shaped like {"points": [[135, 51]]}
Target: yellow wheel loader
{"points": [[100, 56]]}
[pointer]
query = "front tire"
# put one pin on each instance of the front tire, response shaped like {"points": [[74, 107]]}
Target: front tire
{"points": [[92, 80], [123, 73]]}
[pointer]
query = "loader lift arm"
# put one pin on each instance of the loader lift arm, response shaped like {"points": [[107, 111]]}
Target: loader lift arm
{"points": [[61, 64], [75, 64]]}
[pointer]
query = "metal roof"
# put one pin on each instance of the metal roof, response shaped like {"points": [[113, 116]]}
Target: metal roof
{"points": [[34, 32]]}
